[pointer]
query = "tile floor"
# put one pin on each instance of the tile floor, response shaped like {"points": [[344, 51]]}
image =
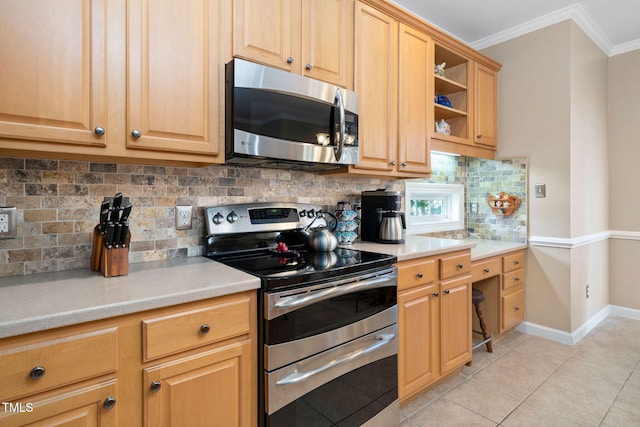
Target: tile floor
{"points": [[531, 381]]}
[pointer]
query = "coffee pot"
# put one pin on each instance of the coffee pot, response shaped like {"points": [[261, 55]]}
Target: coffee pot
{"points": [[392, 226]]}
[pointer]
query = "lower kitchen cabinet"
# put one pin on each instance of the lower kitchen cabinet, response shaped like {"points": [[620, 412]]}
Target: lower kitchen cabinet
{"points": [[117, 372], [434, 319], [211, 387]]}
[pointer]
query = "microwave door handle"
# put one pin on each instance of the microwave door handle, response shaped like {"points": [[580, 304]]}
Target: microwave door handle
{"points": [[338, 102]]}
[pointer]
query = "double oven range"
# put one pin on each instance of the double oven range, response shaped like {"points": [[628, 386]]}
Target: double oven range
{"points": [[327, 321]]}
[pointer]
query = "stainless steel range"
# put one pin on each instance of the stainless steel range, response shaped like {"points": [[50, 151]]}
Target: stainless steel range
{"points": [[327, 320]]}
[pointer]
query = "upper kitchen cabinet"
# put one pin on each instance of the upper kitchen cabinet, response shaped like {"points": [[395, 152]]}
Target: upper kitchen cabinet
{"points": [[174, 74], [393, 84], [486, 106], [311, 37], [135, 81], [465, 103], [53, 84]]}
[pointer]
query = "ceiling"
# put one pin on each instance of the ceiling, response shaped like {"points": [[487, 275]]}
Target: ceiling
{"points": [[613, 25]]}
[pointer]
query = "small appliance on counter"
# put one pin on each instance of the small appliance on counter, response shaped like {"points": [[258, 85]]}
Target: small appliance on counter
{"points": [[382, 218]]}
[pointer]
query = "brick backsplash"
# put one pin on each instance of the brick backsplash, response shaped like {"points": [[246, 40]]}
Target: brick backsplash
{"points": [[58, 202]]}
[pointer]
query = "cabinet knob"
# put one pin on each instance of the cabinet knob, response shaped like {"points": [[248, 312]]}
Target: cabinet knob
{"points": [[460, 266], [37, 372], [516, 308], [419, 275], [479, 136], [516, 279], [155, 386], [435, 294], [447, 291], [136, 133], [393, 163], [404, 164], [516, 262], [486, 270], [205, 328], [308, 67], [289, 60], [99, 131], [109, 402]]}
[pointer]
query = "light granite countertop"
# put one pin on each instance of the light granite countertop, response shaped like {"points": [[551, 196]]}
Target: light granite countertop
{"points": [[50, 300], [416, 246]]}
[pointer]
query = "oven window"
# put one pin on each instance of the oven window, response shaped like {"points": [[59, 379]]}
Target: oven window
{"points": [[349, 400], [328, 315]]}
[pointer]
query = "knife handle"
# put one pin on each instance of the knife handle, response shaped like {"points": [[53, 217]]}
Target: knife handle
{"points": [[116, 236], [124, 234], [111, 229], [126, 211]]}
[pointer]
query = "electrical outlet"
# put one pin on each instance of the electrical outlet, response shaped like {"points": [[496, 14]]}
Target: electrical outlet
{"points": [[8, 223], [183, 217]]}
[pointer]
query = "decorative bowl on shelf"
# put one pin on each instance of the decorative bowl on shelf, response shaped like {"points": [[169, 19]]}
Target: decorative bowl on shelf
{"points": [[503, 204]]}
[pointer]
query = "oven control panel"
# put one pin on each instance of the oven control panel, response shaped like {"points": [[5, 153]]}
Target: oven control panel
{"points": [[260, 217]]}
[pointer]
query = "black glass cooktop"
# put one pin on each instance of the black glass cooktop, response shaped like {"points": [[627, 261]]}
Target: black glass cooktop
{"points": [[298, 267]]}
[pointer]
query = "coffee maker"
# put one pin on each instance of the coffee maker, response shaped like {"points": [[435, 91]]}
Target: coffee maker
{"points": [[382, 217]]}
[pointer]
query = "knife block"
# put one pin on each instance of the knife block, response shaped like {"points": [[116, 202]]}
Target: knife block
{"points": [[96, 249], [115, 261]]}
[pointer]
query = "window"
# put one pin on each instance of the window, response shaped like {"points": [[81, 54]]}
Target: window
{"points": [[433, 207]]}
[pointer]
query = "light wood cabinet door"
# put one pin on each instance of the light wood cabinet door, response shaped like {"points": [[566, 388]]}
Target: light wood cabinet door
{"points": [[418, 323], [89, 405], [486, 106], [415, 112], [215, 387], [268, 32], [175, 74], [327, 41], [455, 321], [53, 83], [376, 81], [512, 309]]}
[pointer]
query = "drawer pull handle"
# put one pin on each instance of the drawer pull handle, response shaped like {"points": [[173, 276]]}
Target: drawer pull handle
{"points": [[517, 308], [37, 372], [205, 328], [486, 270], [447, 291], [516, 279], [155, 386], [435, 294], [460, 266], [419, 275], [109, 402], [516, 262]]}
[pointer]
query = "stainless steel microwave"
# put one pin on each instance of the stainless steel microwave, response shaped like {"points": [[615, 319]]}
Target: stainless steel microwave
{"points": [[278, 119]]}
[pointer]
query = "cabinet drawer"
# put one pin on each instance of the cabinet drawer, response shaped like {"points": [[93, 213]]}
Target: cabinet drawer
{"points": [[416, 273], [485, 268], [172, 333], [44, 365], [513, 278], [512, 309], [512, 261], [455, 265]]}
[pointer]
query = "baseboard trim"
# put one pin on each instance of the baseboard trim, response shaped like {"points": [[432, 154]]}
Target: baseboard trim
{"points": [[576, 336]]}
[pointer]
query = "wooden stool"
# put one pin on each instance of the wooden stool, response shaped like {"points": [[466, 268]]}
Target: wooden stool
{"points": [[477, 296]]}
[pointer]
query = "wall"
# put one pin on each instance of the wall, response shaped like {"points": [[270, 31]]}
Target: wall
{"points": [[624, 204], [58, 203], [552, 108]]}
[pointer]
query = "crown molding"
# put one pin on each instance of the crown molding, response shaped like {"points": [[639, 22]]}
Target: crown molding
{"points": [[575, 13]]}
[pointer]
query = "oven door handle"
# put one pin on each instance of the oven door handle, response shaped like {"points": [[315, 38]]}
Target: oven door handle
{"points": [[296, 377], [294, 301]]}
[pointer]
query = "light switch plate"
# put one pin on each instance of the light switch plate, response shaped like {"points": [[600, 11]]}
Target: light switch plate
{"points": [[183, 217], [541, 190], [8, 223]]}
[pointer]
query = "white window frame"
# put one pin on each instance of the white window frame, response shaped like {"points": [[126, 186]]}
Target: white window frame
{"points": [[453, 207]]}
